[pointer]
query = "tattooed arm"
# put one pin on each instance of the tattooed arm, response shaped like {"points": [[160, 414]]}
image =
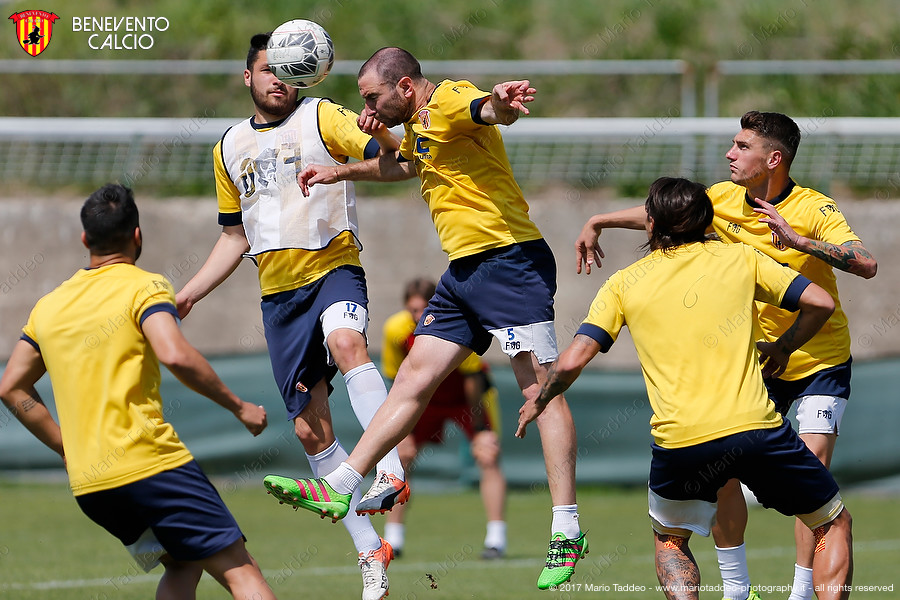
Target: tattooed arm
{"points": [[816, 306], [851, 257], [561, 374], [17, 391]]}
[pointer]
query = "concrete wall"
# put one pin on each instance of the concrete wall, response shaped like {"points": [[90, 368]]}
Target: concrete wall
{"points": [[40, 247]]}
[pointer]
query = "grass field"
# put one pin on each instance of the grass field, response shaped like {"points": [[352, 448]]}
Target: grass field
{"points": [[50, 551]]}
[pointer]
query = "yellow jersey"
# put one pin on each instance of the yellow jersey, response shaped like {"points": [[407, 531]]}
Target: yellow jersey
{"points": [[397, 340], [812, 215], [105, 376], [691, 314], [467, 180], [333, 135]]}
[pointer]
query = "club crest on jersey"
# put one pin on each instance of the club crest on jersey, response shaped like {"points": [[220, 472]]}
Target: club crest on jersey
{"points": [[425, 118], [429, 319], [776, 241], [300, 387], [33, 29]]}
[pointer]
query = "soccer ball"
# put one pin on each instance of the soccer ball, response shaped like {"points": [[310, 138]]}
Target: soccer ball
{"points": [[300, 53]]}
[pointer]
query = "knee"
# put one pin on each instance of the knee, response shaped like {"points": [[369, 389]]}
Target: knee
{"points": [[486, 450], [348, 347]]}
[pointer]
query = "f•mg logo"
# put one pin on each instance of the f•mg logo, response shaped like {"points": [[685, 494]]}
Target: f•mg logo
{"points": [[33, 29]]}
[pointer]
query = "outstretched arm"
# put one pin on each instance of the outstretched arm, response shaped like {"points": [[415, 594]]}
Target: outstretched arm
{"points": [[387, 167], [24, 369], [561, 374], [222, 261], [587, 247], [851, 257], [507, 102], [191, 369]]}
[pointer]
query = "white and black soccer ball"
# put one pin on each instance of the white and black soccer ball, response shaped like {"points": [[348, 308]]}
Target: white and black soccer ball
{"points": [[300, 53]]}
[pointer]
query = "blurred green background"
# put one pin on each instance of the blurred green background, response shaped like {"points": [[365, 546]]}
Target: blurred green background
{"points": [[700, 32]]}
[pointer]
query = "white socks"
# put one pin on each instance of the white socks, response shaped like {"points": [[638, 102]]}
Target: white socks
{"points": [[802, 589], [735, 576], [496, 535], [359, 527], [344, 479], [565, 521], [367, 393], [395, 535]]}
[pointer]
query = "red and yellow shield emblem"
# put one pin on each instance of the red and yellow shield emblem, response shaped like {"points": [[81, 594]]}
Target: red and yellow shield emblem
{"points": [[33, 29]]}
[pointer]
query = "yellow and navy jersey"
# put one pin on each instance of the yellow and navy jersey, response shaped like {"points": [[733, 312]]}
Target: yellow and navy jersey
{"points": [[397, 340], [105, 376], [691, 314], [812, 215], [467, 180], [288, 267]]}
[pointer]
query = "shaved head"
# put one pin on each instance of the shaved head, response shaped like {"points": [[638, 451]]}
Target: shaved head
{"points": [[391, 65]]}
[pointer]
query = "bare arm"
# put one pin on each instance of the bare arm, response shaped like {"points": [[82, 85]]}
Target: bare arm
{"points": [[816, 306], [587, 248], [191, 369], [507, 102], [222, 261], [386, 167], [386, 139], [851, 257], [561, 374], [24, 369]]}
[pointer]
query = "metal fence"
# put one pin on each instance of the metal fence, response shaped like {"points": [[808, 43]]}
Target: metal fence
{"points": [[176, 153]]}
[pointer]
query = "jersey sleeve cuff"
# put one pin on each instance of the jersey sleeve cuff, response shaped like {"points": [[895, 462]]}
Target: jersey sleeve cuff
{"points": [[161, 307], [372, 148], [26, 338], [598, 334], [475, 109], [230, 219], [791, 299]]}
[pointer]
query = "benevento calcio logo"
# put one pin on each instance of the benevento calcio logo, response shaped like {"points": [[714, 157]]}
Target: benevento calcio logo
{"points": [[33, 29]]}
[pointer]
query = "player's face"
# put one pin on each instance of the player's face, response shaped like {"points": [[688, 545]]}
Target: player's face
{"points": [[272, 97], [416, 305], [383, 101], [749, 155]]}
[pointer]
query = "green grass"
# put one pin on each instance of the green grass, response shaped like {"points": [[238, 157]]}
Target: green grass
{"points": [[50, 551]]}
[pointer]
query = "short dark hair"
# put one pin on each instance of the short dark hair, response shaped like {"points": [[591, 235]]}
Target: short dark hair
{"points": [[109, 217], [257, 43], [780, 130], [681, 211], [420, 286], [393, 64]]}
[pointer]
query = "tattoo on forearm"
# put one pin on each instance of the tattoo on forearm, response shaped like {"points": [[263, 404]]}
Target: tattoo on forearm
{"points": [[846, 258], [552, 387], [29, 403]]}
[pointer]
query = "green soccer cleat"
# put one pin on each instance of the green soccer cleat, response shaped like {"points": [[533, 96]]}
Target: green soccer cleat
{"points": [[561, 558], [753, 595], [312, 494]]}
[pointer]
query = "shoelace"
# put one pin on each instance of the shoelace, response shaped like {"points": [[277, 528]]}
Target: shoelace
{"points": [[370, 576], [383, 482], [556, 552]]}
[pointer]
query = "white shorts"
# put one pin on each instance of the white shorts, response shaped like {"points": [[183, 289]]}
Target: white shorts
{"points": [[669, 515], [538, 338], [820, 414], [343, 315]]}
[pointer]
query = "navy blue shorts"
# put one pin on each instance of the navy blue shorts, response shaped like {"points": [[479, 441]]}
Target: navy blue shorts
{"points": [[294, 334], [180, 506], [774, 463], [496, 293], [833, 381]]}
